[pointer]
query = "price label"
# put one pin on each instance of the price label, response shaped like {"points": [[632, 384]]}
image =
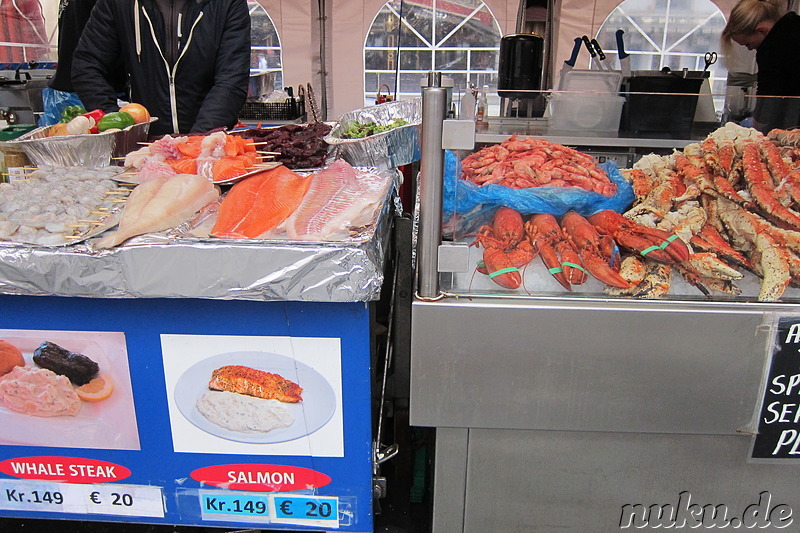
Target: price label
{"points": [[108, 499], [127, 500], [31, 496], [240, 504], [310, 510]]}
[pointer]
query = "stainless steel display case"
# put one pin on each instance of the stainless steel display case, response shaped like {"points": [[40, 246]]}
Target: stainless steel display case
{"points": [[555, 412]]}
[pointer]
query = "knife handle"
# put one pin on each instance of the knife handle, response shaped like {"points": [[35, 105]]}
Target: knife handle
{"points": [[621, 53], [588, 44], [600, 53], [576, 48]]}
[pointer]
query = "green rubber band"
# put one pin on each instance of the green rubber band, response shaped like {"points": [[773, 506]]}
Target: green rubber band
{"points": [[573, 265], [481, 264], [661, 246], [503, 271], [669, 240], [650, 249], [555, 270]]}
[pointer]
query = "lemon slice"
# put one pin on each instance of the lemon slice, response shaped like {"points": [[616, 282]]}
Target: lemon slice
{"points": [[98, 389]]}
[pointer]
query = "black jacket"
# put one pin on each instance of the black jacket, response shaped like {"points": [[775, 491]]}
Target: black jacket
{"points": [[72, 18], [210, 75], [778, 63]]}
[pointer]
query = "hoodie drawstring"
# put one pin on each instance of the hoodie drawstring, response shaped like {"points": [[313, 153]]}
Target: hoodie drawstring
{"points": [[137, 31]]}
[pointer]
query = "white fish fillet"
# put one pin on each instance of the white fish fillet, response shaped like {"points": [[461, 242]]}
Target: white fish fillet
{"points": [[339, 196], [161, 204]]}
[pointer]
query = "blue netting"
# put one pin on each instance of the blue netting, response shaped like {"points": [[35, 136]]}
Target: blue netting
{"points": [[462, 197]]}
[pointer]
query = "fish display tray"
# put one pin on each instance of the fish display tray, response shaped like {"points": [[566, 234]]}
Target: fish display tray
{"points": [[292, 109], [90, 150], [351, 270], [389, 149]]}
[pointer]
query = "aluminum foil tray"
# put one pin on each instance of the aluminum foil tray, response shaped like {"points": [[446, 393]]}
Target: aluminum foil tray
{"points": [[160, 266], [393, 148], [90, 150]]}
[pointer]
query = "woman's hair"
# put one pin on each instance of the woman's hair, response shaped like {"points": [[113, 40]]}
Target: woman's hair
{"points": [[746, 15]]}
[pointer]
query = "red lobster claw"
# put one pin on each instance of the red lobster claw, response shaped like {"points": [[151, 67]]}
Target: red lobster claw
{"points": [[558, 255], [506, 249], [650, 242], [586, 241]]}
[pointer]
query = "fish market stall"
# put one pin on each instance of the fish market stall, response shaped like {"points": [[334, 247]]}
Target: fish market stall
{"points": [[187, 339], [612, 351]]}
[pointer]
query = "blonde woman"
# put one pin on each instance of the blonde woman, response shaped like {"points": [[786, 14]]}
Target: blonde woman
{"points": [[767, 27]]}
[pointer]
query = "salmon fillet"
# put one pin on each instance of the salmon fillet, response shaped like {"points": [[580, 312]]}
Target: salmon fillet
{"points": [[258, 383], [259, 203]]}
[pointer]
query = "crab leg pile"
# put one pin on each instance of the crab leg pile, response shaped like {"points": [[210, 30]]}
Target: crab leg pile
{"points": [[734, 199]]}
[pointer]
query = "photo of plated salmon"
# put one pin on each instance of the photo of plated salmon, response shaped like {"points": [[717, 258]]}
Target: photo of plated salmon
{"points": [[254, 397], [258, 383]]}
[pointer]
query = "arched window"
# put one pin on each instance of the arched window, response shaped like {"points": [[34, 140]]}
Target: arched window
{"points": [[460, 38], [668, 33], [265, 55]]}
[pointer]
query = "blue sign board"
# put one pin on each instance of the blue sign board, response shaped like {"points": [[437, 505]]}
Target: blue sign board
{"points": [[186, 412]]}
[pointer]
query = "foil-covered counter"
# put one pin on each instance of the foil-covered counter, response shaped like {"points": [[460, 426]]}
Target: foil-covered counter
{"points": [[161, 266]]}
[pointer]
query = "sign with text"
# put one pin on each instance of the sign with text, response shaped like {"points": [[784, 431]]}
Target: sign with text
{"points": [[226, 413], [778, 434]]}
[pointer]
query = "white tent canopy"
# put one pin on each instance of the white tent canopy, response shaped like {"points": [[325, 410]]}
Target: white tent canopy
{"points": [[339, 64]]}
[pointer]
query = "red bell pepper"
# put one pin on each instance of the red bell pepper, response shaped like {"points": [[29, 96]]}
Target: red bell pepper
{"points": [[95, 117]]}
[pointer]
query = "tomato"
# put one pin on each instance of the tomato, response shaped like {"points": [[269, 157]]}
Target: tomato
{"points": [[137, 111]]}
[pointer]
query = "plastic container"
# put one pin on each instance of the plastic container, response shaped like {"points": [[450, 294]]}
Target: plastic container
{"points": [[467, 109], [670, 114], [291, 109], [481, 108], [597, 113], [591, 81], [12, 132]]}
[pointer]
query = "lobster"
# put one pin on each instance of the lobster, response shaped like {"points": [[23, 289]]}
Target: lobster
{"points": [[505, 248], [558, 255], [590, 246], [650, 242]]}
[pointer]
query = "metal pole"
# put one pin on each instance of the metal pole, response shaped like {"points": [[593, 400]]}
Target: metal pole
{"points": [[434, 110], [323, 58]]}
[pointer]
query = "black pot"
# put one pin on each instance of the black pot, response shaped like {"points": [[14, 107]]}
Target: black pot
{"points": [[520, 69]]}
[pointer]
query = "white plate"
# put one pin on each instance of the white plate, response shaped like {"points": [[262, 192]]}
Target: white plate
{"points": [[317, 407], [109, 423]]}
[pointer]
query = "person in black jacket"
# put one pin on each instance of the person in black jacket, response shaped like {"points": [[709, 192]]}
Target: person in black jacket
{"points": [[767, 27], [188, 60], [72, 18]]}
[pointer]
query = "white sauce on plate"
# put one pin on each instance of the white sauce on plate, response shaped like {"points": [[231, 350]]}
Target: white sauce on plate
{"points": [[238, 412]]}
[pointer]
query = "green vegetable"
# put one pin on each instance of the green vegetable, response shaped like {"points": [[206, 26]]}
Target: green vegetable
{"points": [[119, 120], [359, 130], [72, 111]]}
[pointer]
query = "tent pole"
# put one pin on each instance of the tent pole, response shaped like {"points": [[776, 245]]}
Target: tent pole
{"points": [[323, 60]]}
